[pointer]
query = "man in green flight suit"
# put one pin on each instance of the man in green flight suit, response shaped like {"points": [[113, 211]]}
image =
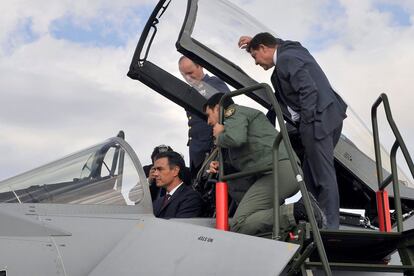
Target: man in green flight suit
{"points": [[248, 137]]}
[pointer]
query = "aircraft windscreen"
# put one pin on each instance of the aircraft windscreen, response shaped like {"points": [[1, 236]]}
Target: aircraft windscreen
{"points": [[162, 48], [102, 174], [219, 25]]}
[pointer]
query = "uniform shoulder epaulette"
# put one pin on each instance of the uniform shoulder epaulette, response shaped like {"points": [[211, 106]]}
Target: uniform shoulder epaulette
{"points": [[229, 111]]}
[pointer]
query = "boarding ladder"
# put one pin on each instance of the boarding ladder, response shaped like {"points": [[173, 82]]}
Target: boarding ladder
{"points": [[340, 249], [283, 135], [367, 250]]}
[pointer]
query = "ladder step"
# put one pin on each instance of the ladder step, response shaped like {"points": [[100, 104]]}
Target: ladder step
{"points": [[344, 246], [362, 267]]}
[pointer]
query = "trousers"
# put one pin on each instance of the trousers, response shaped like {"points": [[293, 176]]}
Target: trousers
{"points": [[319, 171], [254, 215]]}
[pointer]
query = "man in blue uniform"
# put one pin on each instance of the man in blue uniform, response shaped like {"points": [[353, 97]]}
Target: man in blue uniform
{"points": [[302, 86], [199, 134]]}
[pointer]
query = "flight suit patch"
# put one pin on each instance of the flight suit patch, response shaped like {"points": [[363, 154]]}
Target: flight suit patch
{"points": [[229, 112]]}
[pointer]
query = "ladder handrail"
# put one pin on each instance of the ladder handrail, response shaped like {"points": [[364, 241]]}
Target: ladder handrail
{"points": [[283, 135], [399, 143]]}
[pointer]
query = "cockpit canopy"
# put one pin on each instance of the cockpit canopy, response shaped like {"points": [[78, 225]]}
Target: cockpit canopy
{"points": [[108, 173]]}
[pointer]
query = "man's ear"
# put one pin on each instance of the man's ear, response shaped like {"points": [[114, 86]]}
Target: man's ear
{"points": [[217, 108], [264, 48], [176, 171]]}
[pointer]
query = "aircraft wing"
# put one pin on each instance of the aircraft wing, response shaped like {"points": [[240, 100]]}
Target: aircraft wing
{"points": [[161, 247]]}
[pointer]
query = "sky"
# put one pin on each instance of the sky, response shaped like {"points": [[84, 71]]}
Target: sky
{"points": [[63, 65]]}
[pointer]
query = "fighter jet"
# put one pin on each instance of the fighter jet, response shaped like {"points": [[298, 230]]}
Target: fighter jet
{"points": [[90, 213]]}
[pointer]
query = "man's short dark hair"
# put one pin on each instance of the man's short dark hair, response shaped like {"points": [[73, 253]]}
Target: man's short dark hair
{"points": [[215, 99], [174, 159], [266, 39]]}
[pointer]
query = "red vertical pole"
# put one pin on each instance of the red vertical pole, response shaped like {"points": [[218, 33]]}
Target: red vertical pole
{"points": [[222, 211], [383, 208]]}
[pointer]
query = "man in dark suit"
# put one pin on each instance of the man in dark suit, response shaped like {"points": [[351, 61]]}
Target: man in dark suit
{"points": [[149, 172], [302, 86], [148, 169], [179, 201], [200, 134]]}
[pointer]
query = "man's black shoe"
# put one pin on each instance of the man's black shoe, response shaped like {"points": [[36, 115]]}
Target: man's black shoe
{"points": [[299, 212]]}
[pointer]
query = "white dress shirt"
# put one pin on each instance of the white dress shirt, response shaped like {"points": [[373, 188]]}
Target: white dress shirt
{"points": [[175, 189], [293, 114]]}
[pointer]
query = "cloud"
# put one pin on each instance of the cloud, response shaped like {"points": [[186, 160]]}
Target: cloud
{"points": [[372, 55], [105, 17], [64, 82], [61, 95]]}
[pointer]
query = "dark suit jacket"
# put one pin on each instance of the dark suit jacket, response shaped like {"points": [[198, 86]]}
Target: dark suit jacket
{"points": [[184, 203], [300, 83], [200, 134]]}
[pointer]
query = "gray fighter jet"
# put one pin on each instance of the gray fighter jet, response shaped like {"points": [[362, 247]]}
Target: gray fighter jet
{"points": [[90, 213]]}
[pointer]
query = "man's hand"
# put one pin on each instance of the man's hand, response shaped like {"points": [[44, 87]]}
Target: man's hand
{"points": [[244, 41], [151, 176], [217, 129], [214, 165]]}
